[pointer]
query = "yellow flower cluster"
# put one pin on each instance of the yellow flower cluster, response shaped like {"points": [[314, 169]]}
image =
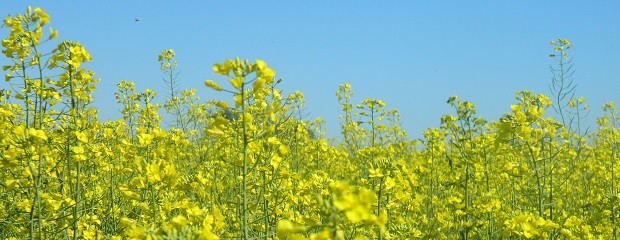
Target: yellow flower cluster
{"points": [[251, 166]]}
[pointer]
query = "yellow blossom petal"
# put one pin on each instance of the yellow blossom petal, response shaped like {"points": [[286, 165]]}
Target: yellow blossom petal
{"points": [[237, 82]]}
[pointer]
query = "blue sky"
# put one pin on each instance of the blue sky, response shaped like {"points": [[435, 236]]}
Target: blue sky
{"points": [[411, 54]]}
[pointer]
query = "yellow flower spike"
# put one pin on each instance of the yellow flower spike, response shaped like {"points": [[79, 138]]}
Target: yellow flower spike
{"points": [[211, 84], [237, 82]]}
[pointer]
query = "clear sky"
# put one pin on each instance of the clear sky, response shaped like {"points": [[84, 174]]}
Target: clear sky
{"points": [[411, 54]]}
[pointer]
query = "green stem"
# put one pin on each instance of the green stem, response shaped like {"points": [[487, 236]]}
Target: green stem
{"points": [[244, 207]]}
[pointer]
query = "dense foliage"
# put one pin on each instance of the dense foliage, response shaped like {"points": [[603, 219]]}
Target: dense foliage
{"points": [[251, 167]]}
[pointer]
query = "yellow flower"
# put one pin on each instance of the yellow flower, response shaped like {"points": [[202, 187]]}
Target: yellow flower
{"points": [[24, 205], [454, 200], [179, 221], [323, 235], [529, 231], [37, 134], [259, 64], [81, 136], [219, 218], [153, 172], [213, 85], [78, 149], [286, 227], [130, 194], [238, 99], [356, 207], [215, 132], [53, 34], [237, 82], [389, 183], [43, 17], [266, 73], [206, 234], [222, 69], [11, 183], [375, 173], [535, 112], [5, 113], [138, 182], [282, 150], [572, 221], [222, 104], [275, 161], [357, 214], [145, 139], [273, 141], [258, 84], [247, 117], [135, 232], [193, 211]]}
